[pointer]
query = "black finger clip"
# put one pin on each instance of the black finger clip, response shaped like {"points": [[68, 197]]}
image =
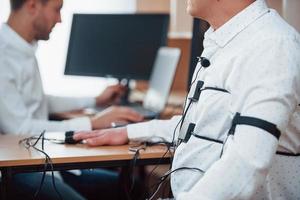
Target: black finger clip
{"points": [[69, 138]]}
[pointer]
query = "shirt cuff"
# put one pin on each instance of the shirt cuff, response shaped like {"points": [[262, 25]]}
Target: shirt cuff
{"points": [[80, 124], [138, 131], [186, 195], [89, 102]]}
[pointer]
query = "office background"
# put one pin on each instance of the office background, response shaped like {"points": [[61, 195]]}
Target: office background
{"points": [[52, 54]]}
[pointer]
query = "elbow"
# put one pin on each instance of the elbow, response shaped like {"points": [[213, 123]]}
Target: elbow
{"points": [[16, 130], [256, 147], [260, 163], [19, 129]]}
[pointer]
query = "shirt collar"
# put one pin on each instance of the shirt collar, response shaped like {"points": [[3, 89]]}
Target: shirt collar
{"points": [[238, 23], [14, 39]]}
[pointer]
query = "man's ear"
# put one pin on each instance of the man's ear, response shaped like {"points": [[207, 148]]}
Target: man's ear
{"points": [[32, 6]]}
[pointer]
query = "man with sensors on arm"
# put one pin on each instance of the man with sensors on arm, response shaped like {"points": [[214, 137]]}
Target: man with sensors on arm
{"points": [[240, 127]]}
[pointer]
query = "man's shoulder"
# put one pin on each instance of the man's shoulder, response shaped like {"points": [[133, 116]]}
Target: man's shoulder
{"points": [[2, 44], [8, 63], [3, 47], [2, 50], [270, 32], [273, 26]]}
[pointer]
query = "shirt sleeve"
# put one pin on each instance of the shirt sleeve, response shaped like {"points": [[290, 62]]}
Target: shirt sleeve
{"points": [[267, 87], [15, 117], [62, 104], [155, 130]]}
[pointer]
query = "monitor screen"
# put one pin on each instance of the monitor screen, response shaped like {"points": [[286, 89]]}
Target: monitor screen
{"points": [[115, 45]]}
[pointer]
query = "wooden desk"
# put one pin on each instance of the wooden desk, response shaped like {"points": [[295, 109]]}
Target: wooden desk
{"points": [[15, 158]]}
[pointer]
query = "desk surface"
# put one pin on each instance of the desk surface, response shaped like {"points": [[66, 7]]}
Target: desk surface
{"points": [[13, 154]]}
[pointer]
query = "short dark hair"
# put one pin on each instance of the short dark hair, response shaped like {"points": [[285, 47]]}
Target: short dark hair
{"points": [[17, 4]]}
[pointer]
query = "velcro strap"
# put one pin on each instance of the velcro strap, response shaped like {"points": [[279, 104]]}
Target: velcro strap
{"points": [[287, 154], [256, 122]]}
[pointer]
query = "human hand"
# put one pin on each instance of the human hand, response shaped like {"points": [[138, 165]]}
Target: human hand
{"points": [[111, 95], [113, 136], [115, 114]]}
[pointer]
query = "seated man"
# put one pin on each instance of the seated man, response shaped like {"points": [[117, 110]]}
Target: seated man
{"points": [[235, 111], [23, 105], [24, 108]]}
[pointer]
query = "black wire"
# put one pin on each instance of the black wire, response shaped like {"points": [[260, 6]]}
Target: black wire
{"points": [[195, 77], [158, 187], [158, 162], [42, 181], [164, 177], [43, 140], [184, 112], [46, 139], [29, 145], [174, 132], [185, 102], [223, 146], [133, 164], [44, 173], [132, 167], [143, 146], [48, 161]]}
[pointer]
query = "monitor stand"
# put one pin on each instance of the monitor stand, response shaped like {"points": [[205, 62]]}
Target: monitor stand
{"points": [[125, 98]]}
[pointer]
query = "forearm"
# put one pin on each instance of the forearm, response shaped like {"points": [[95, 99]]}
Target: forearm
{"points": [[241, 170], [63, 104], [155, 130], [34, 127]]}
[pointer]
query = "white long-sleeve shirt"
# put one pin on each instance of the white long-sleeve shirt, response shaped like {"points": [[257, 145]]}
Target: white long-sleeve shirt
{"points": [[256, 57], [24, 108]]}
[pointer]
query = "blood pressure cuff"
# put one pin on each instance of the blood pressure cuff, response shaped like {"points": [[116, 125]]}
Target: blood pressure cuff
{"points": [[256, 122]]}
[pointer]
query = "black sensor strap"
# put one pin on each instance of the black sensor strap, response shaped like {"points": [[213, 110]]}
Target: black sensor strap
{"points": [[256, 122]]}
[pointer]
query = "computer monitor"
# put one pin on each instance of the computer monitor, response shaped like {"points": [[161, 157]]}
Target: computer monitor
{"points": [[115, 45]]}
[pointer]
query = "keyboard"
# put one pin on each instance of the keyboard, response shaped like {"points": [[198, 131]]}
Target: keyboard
{"points": [[147, 113]]}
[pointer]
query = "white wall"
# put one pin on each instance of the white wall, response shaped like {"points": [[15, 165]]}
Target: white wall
{"points": [[4, 10], [52, 54], [181, 21]]}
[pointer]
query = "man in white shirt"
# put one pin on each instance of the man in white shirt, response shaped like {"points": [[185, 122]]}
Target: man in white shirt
{"points": [[229, 144], [24, 108], [23, 101]]}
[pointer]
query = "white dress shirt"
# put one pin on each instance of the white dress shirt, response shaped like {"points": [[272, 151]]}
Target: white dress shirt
{"points": [[24, 108], [255, 56]]}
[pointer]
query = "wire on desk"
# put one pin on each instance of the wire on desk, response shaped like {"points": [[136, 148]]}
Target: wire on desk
{"points": [[48, 161]]}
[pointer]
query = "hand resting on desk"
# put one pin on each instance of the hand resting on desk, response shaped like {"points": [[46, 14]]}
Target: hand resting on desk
{"points": [[113, 136]]}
